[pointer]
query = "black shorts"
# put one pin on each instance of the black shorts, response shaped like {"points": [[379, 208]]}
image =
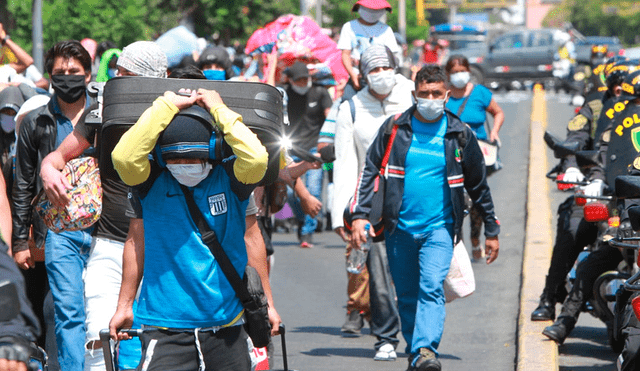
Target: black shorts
{"points": [[224, 350]]}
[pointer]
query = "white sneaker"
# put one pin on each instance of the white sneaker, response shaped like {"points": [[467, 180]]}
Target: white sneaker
{"points": [[385, 353]]}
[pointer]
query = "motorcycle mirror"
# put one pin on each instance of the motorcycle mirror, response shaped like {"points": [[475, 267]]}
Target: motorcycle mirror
{"points": [[634, 217], [9, 301], [586, 158], [627, 186]]}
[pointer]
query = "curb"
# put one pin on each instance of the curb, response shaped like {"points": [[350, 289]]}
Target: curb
{"points": [[535, 351]]}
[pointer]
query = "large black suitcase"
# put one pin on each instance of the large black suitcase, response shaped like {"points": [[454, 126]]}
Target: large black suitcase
{"points": [[124, 99]]}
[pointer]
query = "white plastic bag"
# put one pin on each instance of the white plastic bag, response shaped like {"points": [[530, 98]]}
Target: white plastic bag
{"points": [[460, 281]]}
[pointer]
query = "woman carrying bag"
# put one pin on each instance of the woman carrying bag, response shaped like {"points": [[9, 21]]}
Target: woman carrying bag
{"points": [[471, 103]]}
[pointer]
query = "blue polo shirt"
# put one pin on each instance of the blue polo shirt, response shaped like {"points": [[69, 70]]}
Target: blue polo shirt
{"points": [[64, 125], [426, 201]]}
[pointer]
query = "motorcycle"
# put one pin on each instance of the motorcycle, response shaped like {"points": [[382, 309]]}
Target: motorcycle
{"points": [[626, 300], [605, 212]]}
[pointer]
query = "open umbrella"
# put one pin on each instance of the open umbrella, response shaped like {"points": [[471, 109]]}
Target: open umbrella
{"points": [[298, 37]]}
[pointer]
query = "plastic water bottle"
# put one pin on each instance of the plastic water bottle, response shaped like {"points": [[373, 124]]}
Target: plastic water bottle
{"points": [[358, 257]]}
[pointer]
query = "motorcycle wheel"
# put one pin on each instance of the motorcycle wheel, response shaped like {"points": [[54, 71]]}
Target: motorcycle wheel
{"points": [[616, 344], [603, 294]]}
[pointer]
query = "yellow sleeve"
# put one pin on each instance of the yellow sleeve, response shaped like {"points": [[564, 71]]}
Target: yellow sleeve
{"points": [[130, 156], [252, 158]]}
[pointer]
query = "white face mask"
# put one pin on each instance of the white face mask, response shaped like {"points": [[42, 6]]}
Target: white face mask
{"points": [[370, 15], [7, 122], [382, 82], [430, 109], [302, 90], [189, 174], [460, 79]]}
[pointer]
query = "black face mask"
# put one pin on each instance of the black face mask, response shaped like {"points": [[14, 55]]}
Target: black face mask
{"points": [[69, 88]]}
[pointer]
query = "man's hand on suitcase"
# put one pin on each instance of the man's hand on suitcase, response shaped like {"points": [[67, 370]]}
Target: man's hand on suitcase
{"points": [[184, 99], [209, 99]]}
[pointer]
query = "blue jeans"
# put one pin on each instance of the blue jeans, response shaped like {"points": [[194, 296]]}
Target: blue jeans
{"points": [[419, 264], [313, 180], [66, 254]]}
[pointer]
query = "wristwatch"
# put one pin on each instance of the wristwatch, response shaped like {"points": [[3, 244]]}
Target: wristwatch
{"points": [[4, 41]]}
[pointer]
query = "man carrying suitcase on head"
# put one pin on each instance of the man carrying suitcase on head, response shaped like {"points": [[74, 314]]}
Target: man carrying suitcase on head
{"points": [[185, 294]]}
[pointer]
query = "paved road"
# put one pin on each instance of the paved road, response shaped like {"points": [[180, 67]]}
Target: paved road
{"points": [[480, 331]]}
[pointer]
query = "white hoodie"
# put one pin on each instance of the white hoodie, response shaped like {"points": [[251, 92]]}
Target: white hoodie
{"points": [[352, 140]]}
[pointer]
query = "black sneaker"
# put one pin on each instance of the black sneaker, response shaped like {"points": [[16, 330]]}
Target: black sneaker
{"points": [[425, 361], [353, 323]]}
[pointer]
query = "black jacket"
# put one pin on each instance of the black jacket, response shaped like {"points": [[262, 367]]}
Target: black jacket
{"points": [[465, 167], [36, 139]]}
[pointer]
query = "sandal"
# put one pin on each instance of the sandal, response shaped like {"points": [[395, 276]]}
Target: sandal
{"points": [[477, 252]]}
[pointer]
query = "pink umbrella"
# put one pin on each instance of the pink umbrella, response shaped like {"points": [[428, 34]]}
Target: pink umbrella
{"points": [[298, 37]]}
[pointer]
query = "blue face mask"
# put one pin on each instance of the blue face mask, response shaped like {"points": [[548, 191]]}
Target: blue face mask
{"points": [[215, 75]]}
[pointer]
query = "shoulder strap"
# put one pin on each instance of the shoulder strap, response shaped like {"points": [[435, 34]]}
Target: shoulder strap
{"points": [[387, 151], [210, 238], [464, 103], [462, 137], [352, 107]]}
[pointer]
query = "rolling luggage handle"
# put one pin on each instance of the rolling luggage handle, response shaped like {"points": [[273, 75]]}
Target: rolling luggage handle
{"points": [[109, 358]]}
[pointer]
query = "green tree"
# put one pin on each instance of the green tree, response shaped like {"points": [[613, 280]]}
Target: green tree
{"points": [[126, 21], [232, 20], [121, 21], [598, 18]]}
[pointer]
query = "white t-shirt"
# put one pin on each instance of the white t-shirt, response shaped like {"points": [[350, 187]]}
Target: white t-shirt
{"points": [[8, 74], [357, 37]]}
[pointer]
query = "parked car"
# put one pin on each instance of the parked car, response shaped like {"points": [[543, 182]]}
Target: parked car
{"points": [[583, 47], [521, 56]]}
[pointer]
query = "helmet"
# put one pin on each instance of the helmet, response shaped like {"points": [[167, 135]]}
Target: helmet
{"points": [[631, 86], [598, 55], [619, 71], [599, 51], [609, 63]]}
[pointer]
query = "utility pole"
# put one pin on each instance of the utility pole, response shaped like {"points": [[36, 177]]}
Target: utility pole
{"points": [[304, 7], [319, 12], [36, 35], [453, 9], [402, 18]]}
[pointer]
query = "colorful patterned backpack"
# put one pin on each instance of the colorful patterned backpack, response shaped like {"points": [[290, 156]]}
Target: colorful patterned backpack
{"points": [[85, 205]]}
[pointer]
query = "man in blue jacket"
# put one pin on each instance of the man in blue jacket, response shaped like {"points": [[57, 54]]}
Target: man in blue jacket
{"points": [[432, 150]]}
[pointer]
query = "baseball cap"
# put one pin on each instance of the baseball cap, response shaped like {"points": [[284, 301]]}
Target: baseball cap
{"points": [[372, 4], [299, 70]]}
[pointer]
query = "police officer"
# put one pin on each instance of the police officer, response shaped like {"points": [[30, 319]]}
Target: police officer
{"points": [[573, 232], [617, 157]]}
